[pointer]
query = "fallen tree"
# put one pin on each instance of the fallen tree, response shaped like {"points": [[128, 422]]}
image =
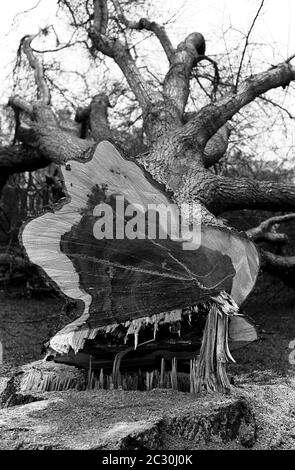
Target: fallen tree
{"points": [[182, 150]]}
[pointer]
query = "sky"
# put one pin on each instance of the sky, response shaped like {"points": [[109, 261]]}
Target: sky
{"points": [[275, 28]]}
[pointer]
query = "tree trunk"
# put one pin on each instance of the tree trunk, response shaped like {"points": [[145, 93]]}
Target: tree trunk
{"points": [[122, 285]]}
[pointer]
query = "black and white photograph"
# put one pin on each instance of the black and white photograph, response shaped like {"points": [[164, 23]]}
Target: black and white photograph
{"points": [[147, 229]]}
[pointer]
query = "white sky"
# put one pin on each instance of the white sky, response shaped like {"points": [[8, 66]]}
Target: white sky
{"points": [[275, 28]]}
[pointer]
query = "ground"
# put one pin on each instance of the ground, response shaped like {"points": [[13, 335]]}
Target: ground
{"points": [[271, 306], [259, 413]]}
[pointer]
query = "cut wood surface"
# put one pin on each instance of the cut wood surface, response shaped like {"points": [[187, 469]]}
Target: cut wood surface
{"points": [[121, 279]]}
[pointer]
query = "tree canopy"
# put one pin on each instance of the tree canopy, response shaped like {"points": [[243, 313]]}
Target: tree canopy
{"points": [[193, 115]]}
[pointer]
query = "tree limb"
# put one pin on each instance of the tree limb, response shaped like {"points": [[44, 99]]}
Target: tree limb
{"points": [[95, 116], [100, 21], [211, 117], [43, 90], [220, 193], [54, 144], [144, 23], [44, 141], [277, 105], [273, 238], [277, 264], [216, 79], [119, 51], [17, 159], [247, 43], [262, 232], [16, 102], [43, 136], [176, 83], [216, 146]]}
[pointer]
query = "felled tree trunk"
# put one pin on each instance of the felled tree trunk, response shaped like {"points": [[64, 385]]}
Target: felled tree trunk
{"points": [[139, 278], [128, 292]]}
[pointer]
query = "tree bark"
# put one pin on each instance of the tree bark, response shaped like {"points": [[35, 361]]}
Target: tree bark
{"points": [[221, 194], [95, 118]]}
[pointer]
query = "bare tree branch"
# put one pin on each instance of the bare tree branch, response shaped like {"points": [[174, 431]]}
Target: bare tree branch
{"points": [[262, 231], [216, 78], [115, 49], [100, 21], [16, 102], [221, 193], [43, 90], [277, 264], [17, 159], [53, 144], [95, 117], [211, 117], [273, 238], [176, 83], [27, 11], [246, 44], [277, 105], [216, 147], [144, 23]]}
